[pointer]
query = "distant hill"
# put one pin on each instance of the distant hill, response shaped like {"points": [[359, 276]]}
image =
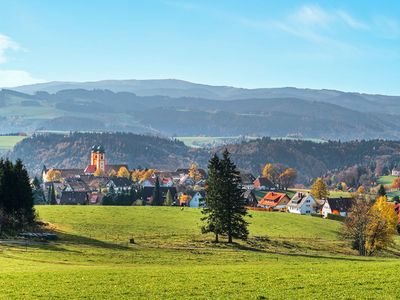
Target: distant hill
{"points": [[179, 88], [105, 110]]}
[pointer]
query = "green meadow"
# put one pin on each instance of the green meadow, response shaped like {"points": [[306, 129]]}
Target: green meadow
{"points": [[8, 142], [286, 257]]}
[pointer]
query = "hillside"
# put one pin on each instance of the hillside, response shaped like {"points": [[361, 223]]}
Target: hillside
{"points": [[309, 158], [179, 88], [171, 259], [279, 116], [73, 151]]}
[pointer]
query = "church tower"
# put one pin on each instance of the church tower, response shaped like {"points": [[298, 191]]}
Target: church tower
{"points": [[98, 157]]}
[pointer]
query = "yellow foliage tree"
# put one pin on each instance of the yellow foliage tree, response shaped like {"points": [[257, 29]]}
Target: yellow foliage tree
{"points": [[319, 189], [123, 172], [361, 189], [98, 173], [381, 226], [112, 173], [194, 172], [53, 175]]}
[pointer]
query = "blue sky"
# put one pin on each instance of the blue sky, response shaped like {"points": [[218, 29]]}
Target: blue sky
{"points": [[345, 45]]}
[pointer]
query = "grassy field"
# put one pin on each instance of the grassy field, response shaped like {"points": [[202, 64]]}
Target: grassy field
{"points": [[286, 257], [386, 180], [8, 142]]}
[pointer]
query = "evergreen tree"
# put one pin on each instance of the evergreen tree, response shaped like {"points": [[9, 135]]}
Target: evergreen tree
{"points": [[157, 198], [234, 224], [23, 193], [213, 202], [168, 199], [53, 200], [382, 191]]}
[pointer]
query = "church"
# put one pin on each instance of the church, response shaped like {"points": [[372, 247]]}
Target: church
{"points": [[98, 167]]}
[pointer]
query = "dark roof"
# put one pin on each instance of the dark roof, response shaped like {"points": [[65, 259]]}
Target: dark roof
{"points": [[264, 181], [340, 204], [246, 178], [121, 182], [77, 184], [74, 198], [98, 148], [69, 173]]}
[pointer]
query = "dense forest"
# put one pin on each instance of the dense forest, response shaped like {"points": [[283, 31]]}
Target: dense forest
{"points": [[334, 158]]}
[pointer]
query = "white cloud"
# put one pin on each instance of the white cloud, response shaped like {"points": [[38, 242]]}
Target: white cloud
{"points": [[311, 15], [351, 21], [13, 78], [6, 43]]}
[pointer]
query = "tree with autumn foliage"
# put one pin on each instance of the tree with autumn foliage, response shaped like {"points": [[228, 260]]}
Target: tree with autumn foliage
{"points": [[371, 225], [53, 175], [361, 189], [98, 173], [272, 172], [382, 226], [319, 189], [287, 178], [396, 183], [123, 172], [194, 172]]}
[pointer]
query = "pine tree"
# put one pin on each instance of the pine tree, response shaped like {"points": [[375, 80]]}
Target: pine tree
{"points": [[53, 200], [381, 191], [234, 224], [225, 206], [157, 199], [213, 201]]}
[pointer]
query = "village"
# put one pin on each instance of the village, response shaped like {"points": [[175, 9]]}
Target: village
{"points": [[101, 183]]}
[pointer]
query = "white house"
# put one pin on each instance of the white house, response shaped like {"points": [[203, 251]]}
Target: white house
{"points": [[303, 204], [338, 206], [396, 172], [197, 199]]}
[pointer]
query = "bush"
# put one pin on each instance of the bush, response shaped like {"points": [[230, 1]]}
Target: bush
{"points": [[335, 217], [316, 215]]}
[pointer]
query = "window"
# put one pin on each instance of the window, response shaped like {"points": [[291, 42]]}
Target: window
{"points": [[307, 211]]}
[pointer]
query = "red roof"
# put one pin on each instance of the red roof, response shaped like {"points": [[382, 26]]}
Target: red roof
{"points": [[272, 199], [90, 169]]}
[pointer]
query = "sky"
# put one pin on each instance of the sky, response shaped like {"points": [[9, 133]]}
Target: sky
{"points": [[349, 45]]}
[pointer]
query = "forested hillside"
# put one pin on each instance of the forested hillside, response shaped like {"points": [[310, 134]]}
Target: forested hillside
{"points": [[276, 115], [309, 158], [73, 151]]}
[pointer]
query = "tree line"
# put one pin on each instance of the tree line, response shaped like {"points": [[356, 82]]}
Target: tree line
{"points": [[16, 197]]}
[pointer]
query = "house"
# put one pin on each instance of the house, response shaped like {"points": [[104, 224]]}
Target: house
{"points": [[274, 201], [396, 172], [75, 185], [263, 183], [197, 199], [247, 180], [73, 198], [119, 184], [250, 198], [95, 183], [186, 180], [338, 206], [303, 204]]}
